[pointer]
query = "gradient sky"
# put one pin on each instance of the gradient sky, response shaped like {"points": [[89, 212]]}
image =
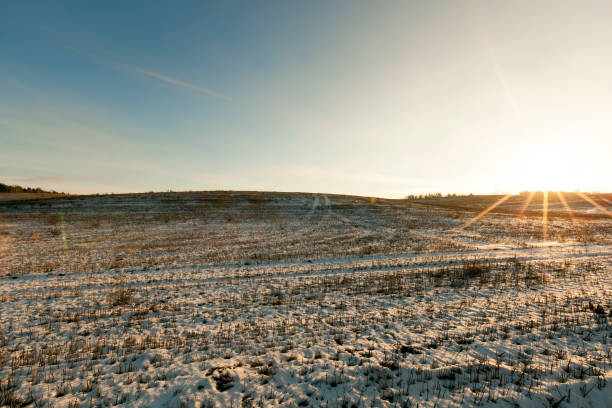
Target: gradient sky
{"points": [[369, 98]]}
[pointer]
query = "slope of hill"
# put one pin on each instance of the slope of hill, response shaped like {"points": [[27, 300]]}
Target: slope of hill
{"points": [[15, 192], [218, 299]]}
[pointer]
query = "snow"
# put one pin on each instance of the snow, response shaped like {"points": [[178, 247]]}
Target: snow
{"points": [[223, 299]]}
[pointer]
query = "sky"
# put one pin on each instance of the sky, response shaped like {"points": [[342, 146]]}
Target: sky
{"points": [[354, 97]]}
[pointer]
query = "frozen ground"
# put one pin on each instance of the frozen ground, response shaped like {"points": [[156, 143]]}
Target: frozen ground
{"points": [[286, 299]]}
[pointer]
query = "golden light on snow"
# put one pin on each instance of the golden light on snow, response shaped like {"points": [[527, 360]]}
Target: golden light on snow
{"points": [[527, 202], [545, 208], [567, 207], [545, 168], [486, 211], [594, 203], [545, 216]]}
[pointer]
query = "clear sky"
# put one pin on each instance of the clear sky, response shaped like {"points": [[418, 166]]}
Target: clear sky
{"points": [[371, 98]]}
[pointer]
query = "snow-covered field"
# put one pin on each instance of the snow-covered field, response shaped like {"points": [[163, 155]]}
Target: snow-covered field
{"points": [[233, 299]]}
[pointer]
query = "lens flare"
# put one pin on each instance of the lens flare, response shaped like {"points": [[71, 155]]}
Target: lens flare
{"points": [[545, 216], [545, 209], [594, 203], [527, 202], [485, 212], [567, 207], [64, 236]]}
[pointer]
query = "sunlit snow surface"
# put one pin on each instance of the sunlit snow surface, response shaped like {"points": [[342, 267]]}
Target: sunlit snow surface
{"points": [[277, 299]]}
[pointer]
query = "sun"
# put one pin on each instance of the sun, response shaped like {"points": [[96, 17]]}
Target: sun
{"points": [[550, 170], [545, 168], [546, 196]]}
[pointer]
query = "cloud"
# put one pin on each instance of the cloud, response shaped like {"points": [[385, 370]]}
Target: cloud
{"points": [[152, 74], [176, 82], [47, 179]]}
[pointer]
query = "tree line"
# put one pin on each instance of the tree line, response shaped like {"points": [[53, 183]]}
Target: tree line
{"points": [[430, 196], [5, 188]]}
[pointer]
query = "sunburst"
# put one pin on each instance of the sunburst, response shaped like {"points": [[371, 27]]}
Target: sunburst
{"points": [[485, 211], [545, 216], [527, 202], [567, 207], [594, 203], [545, 209]]}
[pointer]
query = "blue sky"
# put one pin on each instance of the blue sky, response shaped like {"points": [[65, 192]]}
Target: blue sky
{"points": [[339, 97]]}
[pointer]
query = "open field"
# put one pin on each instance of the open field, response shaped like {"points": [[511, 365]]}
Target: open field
{"points": [[26, 196], [230, 299]]}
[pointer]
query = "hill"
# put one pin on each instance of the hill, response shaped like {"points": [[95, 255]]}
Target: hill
{"points": [[15, 192], [5, 188], [225, 298]]}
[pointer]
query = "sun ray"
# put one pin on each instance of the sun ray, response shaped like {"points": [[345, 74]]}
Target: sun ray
{"points": [[594, 203], [567, 207], [485, 212], [545, 216], [527, 202]]}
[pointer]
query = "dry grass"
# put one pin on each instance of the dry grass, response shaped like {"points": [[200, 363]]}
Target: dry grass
{"points": [[227, 299]]}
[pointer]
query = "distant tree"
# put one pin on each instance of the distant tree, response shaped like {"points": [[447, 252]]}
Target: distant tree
{"points": [[5, 188], [433, 196]]}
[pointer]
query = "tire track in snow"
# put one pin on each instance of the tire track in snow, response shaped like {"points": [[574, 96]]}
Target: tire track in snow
{"points": [[342, 218], [318, 268], [353, 265], [327, 202], [407, 263], [315, 204]]}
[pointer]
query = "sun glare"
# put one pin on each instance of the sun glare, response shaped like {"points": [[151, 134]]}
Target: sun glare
{"points": [[549, 171], [543, 169]]}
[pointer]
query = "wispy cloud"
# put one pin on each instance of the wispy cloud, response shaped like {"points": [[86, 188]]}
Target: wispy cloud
{"points": [[153, 74], [175, 81], [48, 179]]}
